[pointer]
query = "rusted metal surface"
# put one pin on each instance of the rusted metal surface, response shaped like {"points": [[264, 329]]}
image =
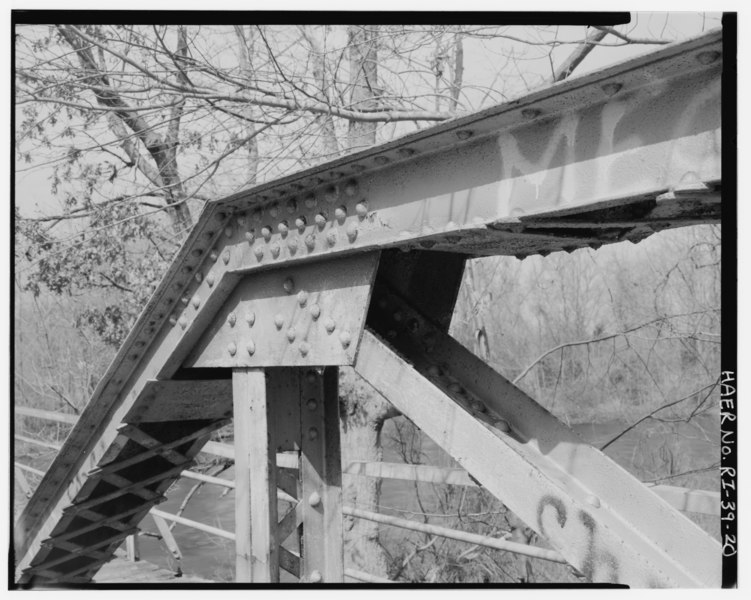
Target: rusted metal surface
{"points": [[299, 316], [625, 135]]}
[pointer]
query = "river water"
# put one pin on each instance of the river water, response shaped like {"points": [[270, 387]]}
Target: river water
{"points": [[649, 452]]}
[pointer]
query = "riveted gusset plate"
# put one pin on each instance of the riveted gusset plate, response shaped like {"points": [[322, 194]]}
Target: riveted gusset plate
{"points": [[291, 317]]}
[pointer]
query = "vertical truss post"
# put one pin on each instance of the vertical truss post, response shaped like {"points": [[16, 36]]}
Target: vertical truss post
{"points": [[321, 477], [257, 551]]}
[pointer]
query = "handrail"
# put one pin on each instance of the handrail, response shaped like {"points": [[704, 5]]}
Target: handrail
{"points": [[453, 534], [686, 499]]}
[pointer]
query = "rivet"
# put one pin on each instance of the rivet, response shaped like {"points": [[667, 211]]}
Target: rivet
{"points": [[291, 206], [320, 220], [266, 232], [196, 301], [316, 577], [406, 152], [231, 319], [569, 249], [250, 318], [274, 210], [301, 222], [172, 321], [199, 277], [220, 216], [611, 89], [520, 256], [283, 228], [351, 188], [304, 348], [427, 244], [361, 209], [382, 160], [397, 316], [311, 376], [250, 346], [228, 231], [434, 371], [258, 251], [502, 425], [302, 297], [315, 312], [331, 238], [291, 334], [312, 433], [593, 501], [345, 338], [187, 269], [477, 406], [707, 58], [310, 242], [279, 321], [289, 285], [358, 167], [275, 250], [464, 134], [340, 214], [314, 499], [257, 214], [312, 403], [310, 201], [330, 194], [225, 256], [595, 245], [213, 255], [413, 325], [456, 388], [329, 325], [242, 221], [183, 322], [292, 245], [210, 279], [197, 252], [232, 348], [250, 237], [531, 113]]}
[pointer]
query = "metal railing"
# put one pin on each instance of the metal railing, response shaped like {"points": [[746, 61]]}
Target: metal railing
{"points": [[684, 499]]}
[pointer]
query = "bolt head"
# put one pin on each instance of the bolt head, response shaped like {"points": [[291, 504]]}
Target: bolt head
{"points": [[320, 220], [345, 338], [340, 214], [315, 311], [314, 499], [231, 319], [275, 250], [228, 231], [312, 404], [258, 251], [232, 348], [707, 58], [312, 433], [531, 113], [274, 210], [304, 348], [289, 285], [352, 232], [361, 209], [330, 195], [316, 577], [300, 223], [291, 334], [310, 201], [464, 134], [292, 245], [266, 232], [283, 228], [250, 346], [310, 242], [329, 325], [250, 318], [279, 321], [331, 238], [593, 501], [502, 425], [351, 188], [225, 256], [611, 89], [291, 206], [183, 322], [241, 220], [382, 160], [302, 297], [210, 280], [196, 302], [213, 255]]}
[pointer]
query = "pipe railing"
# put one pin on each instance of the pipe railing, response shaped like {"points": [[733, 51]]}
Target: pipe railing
{"points": [[685, 499]]}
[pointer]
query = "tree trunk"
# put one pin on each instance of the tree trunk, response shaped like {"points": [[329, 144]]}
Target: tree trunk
{"points": [[363, 78], [363, 412]]}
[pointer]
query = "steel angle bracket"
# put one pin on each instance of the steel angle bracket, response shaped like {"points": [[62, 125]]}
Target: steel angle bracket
{"points": [[298, 316]]}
